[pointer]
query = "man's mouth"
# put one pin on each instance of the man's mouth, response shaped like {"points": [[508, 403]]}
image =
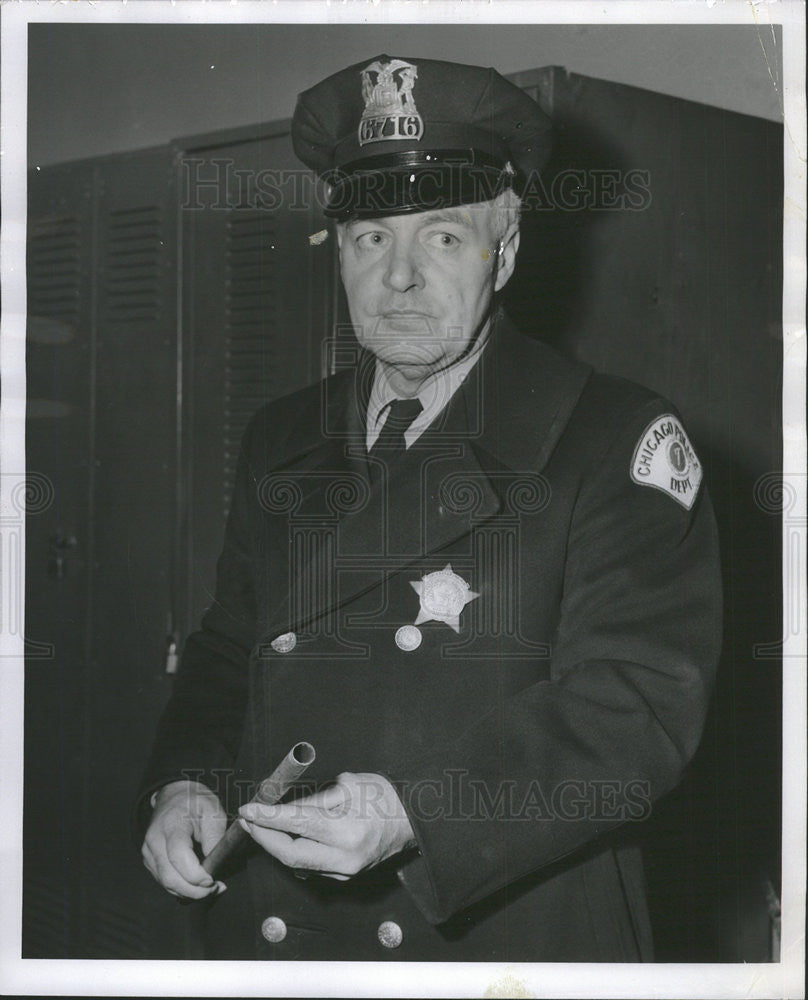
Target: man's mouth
{"points": [[406, 321]]}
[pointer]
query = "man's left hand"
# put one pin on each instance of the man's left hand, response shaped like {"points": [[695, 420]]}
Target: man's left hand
{"points": [[354, 824]]}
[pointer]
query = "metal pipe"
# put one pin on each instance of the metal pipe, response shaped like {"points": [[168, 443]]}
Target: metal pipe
{"points": [[270, 791]]}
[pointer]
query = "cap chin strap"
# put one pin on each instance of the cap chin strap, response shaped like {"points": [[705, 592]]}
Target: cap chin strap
{"points": [[493, 304], [402, 190], [431, 159]]}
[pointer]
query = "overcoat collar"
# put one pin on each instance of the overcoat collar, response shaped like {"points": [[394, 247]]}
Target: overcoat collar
{"points": [[518, 400], [506, 419]]}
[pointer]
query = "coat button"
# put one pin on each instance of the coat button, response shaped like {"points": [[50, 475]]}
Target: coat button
{"points": [[284, 643], [390, 934], [408, 638], [274, 930]]}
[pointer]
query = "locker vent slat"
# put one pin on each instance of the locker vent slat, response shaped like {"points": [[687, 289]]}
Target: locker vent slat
{"points": [[54, 247], [134, 253], [251, 302]]}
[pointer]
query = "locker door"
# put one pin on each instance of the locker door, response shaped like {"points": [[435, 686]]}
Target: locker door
{"points": [[134, 473], [58, 550], [102, 413], [256, 310]]}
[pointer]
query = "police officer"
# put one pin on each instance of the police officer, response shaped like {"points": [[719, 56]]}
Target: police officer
{"points": [[481, 579]]}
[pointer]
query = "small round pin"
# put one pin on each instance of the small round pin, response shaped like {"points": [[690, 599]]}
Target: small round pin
{"points": [[284, 643], [408, 638]]}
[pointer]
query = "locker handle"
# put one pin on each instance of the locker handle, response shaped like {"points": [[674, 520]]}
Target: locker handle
{"points": [[172, 657]]}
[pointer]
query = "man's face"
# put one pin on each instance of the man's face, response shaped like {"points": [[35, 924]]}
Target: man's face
{"points": [[419, 286]]}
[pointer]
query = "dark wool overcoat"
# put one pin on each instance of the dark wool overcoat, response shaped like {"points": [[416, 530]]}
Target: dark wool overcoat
{"points": [[529, 745]]}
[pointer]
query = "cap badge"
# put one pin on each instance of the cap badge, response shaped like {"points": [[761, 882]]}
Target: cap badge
{"points": [[390, 111], [443, 596]]}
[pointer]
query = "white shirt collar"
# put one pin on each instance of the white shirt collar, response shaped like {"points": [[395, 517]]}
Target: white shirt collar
{"points": [[434, 395]]}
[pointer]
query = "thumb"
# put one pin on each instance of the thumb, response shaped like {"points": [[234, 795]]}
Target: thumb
{"points": [[332, 797]]}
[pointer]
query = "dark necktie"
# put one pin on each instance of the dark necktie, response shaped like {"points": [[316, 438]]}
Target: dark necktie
{"points": [[390, 441]]}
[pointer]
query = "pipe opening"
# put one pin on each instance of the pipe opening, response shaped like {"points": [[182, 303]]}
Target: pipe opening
{"points": [[303, 753]]}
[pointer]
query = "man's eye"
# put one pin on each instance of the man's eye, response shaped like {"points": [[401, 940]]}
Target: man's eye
{"points": [[444, 241], [370, 240]]}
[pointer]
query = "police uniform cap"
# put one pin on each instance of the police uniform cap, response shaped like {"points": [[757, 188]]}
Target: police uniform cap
{"points": [[396, 134]]}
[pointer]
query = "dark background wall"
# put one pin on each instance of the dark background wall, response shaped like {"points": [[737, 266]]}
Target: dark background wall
{"points": [[102, 88]]}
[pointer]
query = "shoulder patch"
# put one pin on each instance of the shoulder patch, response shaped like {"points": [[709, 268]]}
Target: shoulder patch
{"points": [[664, 459]]}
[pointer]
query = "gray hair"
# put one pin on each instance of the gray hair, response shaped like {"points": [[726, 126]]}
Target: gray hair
{"points": [[507, 207]]}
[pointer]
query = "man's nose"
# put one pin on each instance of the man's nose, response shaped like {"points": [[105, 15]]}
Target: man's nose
{"points": [[403, 268]]}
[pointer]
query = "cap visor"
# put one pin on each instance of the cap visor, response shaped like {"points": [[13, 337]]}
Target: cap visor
{"points": [[377, 193]]}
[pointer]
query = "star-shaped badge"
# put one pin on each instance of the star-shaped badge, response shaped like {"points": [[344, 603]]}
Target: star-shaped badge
{"points": [[443, 596]]}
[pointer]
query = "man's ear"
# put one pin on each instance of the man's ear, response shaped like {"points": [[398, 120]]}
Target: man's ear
{"points": [[339, 227], [506, 251]]}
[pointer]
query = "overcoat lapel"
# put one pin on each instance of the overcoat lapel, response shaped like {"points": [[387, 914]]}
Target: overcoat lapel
{"points": [[506, 419], [529, 394]]}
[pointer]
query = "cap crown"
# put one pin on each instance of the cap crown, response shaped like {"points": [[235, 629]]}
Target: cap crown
{"points": [[368, 115]]}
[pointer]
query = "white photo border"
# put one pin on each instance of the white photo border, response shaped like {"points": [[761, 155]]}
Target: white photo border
{"points": [[154, 978]]}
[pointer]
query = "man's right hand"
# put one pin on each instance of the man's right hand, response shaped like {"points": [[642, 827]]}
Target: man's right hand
{"points": [[184, 812]]}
